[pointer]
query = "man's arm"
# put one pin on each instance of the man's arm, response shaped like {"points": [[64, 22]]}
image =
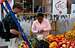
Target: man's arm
{"points": [[48, 26], [14, 31], [34, 28]]}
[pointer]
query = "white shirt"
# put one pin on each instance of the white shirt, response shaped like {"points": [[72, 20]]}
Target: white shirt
{"points": [[26, 27]]}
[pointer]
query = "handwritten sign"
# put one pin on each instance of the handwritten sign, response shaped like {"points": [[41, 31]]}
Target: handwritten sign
{"points": [[59, 7]]}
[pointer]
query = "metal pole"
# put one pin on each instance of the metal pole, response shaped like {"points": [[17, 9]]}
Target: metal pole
{"points": [[33, 5]]}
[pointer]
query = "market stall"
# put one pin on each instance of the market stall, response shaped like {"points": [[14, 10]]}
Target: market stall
{"points": [[62, 34]]}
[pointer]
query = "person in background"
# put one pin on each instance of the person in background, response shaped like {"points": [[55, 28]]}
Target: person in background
{"points": [[11, 29], [41, 26], [26, 25]]}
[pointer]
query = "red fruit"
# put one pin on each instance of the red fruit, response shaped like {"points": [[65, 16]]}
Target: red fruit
{"points": [[61, 47], [64, 45], [57, 40], [71, 46], [68, 44], [1, 1]]}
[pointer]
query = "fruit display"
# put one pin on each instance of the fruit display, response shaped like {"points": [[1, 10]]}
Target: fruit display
{"points": [[23, 45], [70, 35], [53, 45], [56, 38], [59, 41]]}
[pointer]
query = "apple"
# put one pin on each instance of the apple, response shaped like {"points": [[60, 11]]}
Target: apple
{"points": [[71, 47], [64, 45]]}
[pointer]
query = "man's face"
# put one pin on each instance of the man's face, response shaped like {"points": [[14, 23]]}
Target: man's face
{"points": [[40, 19], [17, 10]]}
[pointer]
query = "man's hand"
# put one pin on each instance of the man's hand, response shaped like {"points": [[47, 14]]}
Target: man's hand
{"points": [[15, 32], [41, 31]]}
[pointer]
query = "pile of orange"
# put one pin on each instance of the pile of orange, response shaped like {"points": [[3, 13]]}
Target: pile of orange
{"points": [[55, 37]]}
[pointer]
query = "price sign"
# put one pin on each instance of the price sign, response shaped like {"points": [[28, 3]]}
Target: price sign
{"points": [[59, 7]]}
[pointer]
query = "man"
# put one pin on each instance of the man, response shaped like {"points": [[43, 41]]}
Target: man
{"points": [[11, 29], [41, 26]]}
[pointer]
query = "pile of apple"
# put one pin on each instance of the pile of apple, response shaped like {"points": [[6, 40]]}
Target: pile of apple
{"points": [[59, 41]]}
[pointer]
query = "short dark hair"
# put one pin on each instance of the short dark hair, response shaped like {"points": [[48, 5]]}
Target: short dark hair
{"points": [[19, 6], [40, 14]]}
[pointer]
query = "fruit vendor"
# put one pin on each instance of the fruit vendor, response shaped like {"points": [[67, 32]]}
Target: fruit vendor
{"points": [[41, 26]]}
